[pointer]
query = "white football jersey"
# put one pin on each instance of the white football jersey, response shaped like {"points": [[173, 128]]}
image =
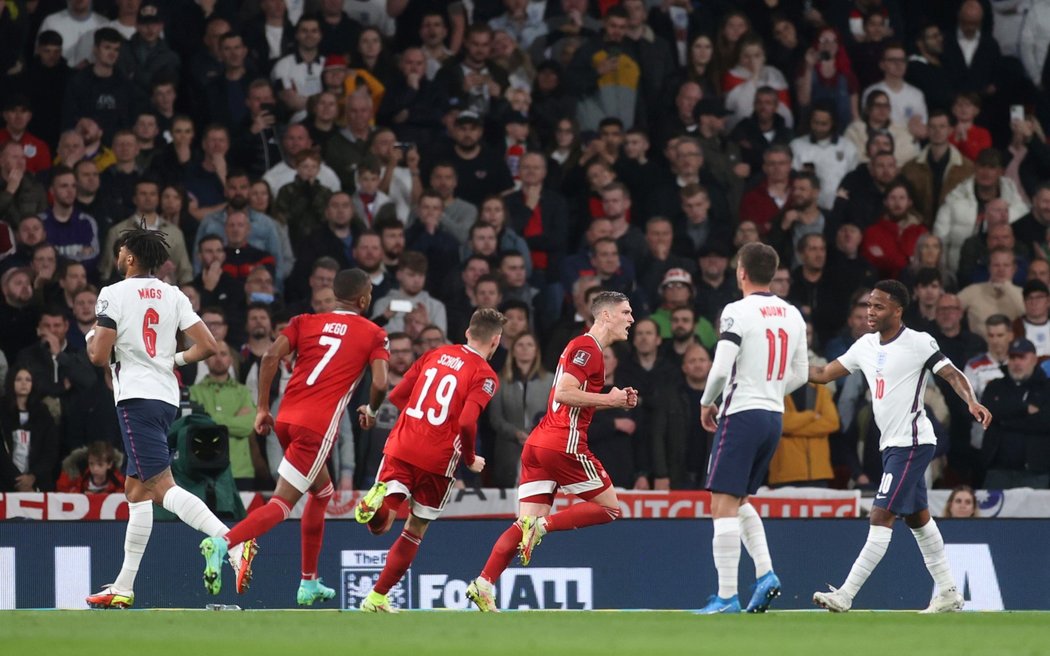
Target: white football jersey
{"points": [[771, 334], [146, 313], [896, 372]]}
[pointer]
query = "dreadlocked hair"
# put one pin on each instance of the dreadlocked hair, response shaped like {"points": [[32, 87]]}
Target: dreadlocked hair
{"points": [[148, 246]]}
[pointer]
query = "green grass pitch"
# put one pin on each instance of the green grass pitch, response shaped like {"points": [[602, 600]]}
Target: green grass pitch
{"points": [[320, 633]]}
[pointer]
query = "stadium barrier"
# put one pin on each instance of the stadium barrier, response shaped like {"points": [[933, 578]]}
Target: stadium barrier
{"points": [[1000, 564], [501, 504]]}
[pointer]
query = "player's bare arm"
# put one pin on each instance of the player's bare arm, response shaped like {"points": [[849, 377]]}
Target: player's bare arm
{"points": [[962, 387], [367, 413], [569, 391], [829, 372], [277, 351], [100, 345], [204, 344]]}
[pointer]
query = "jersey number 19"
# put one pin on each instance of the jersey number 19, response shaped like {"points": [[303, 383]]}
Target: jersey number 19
{"points": [[443, 395]]}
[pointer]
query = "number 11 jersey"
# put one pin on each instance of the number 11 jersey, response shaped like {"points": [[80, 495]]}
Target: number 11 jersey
{"points": [[332, 352], [441, 381]]}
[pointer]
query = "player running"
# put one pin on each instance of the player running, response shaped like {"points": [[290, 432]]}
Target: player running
{"points": [[894, 360], [331, 351], [761, 357], [441, 398], [137, 319], [556, 454]]}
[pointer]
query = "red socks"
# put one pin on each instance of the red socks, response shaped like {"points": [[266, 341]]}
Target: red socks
{"points": [[397, 561], [502, 553], [580, 515], [259, 521], [378, 524], [312, 529]]}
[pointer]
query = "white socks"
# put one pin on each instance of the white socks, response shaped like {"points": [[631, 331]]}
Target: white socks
{"points": [[753, 535], [140, 525], [931, 544], [193, 512], [725, 545], [873, 551]]}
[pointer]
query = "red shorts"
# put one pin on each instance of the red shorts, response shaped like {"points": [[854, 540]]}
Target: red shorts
{"points": [[543, 471], [305, 454], [429, 491]]}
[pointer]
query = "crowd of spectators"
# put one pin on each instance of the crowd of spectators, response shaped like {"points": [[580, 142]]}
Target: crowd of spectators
{"points": [[524, 154]]}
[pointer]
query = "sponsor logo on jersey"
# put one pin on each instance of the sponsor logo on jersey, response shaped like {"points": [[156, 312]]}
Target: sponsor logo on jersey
{"points": [[361, 570], [581, 358], [489, 386]]}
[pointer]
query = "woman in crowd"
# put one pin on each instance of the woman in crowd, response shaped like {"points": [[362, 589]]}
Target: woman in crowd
{"points": [[962, 503], [929, 253], [174, 209], [28, 435], [827, 78], [876, 120], [520, 403], [748, 75]]}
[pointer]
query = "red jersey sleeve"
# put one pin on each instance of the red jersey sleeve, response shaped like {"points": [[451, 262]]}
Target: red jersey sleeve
{"points": [[291, 331], [381, 347], [583, 361], [483, 388]]}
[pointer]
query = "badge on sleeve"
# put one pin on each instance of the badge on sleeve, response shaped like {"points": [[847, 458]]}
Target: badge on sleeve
{"points": [[727, 323], [581, 358], [101, 307], [489, 386]]}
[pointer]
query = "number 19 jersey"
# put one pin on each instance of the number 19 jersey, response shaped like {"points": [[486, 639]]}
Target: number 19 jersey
{"points": [[771, 334], [332, 352], [442, 381], [146, 313]]}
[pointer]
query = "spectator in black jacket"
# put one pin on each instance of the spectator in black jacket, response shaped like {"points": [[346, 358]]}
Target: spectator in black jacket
{"points": [[412, 104], [541, 216], [480, 90], [679, 442], [100, 92], [29, 437], [978, 72], [1016, 447], [227, 93], [761, 130]]}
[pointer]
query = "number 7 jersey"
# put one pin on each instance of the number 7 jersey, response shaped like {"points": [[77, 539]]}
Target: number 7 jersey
{"points": [[771, 334], [332, 352]]}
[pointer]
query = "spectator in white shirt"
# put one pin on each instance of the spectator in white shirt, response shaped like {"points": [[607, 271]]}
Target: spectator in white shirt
{"points": [[830, 156], [77, 24], [298, 75], [295, 140]]}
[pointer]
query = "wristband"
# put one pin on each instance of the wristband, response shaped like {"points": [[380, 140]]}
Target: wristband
{"points": [[370, 412], [180, 359]]}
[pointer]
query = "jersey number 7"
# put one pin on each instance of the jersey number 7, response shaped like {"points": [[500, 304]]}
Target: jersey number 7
{"points": [[781, 336]]}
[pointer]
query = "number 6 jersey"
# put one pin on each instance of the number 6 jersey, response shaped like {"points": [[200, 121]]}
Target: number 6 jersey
{"points": [[332, 352], [146, 313]]}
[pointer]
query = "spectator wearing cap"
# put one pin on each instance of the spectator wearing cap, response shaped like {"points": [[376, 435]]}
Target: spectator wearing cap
{"points": [[75, 24], [473, 76], [146, 55], [227, 94], [1016, 446], [677, 291], [338, 30], [480, 170], [997, 296], [21, 195], [298, 75], [1034, 324], [762, 129], [722, 157], [716, 287], [412, 104], [17, 115], [100, 91], [963, 212]]}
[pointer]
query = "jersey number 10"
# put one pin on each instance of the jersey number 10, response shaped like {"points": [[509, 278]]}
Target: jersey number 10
{"points": [[780, 336], [443, 395]]}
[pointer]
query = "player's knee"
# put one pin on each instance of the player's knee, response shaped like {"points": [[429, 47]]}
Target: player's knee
{"points": [[324, 493]]}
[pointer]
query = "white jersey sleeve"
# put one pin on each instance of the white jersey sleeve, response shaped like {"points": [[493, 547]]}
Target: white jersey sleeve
{"points": [[184, 308]]}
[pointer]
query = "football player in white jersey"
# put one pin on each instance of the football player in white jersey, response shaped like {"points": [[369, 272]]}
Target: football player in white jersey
{"points": [[895, 361], [135, 335], [761, 357]]}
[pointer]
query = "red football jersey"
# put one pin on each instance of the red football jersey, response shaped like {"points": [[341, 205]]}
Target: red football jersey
{"points": [[442, 381], [332, 351], [564, 428]]}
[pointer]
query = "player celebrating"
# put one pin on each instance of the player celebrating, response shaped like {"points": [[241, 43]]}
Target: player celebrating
{"points": [[761, 356], [556, 454], [331, 351], [442, 396], [894, 360], [135, 334]]}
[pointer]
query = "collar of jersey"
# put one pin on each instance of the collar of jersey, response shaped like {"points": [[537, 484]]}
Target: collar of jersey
{"points": [[894, 338]]}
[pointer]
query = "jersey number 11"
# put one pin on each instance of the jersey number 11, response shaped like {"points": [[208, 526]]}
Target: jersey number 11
{"points": [[780, 336]]}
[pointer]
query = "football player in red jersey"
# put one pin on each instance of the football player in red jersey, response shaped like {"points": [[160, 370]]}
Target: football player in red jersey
{"points": [[556, 453], [332, 351], [441, 398]]}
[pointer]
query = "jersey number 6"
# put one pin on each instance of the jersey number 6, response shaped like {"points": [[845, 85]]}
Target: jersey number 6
{"points": [[149, 336]]}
